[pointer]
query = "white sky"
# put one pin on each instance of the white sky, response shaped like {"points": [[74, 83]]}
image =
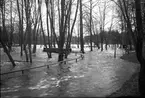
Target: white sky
{"points": [[95, 13], [96, 3]]}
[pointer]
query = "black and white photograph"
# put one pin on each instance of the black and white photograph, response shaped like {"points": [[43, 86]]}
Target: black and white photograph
{"points": [[72, 48]]}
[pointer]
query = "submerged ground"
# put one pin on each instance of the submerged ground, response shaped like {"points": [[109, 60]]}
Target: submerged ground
{"points": [[97, 75]]}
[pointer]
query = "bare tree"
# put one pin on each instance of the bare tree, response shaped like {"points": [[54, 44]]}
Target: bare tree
{"points": [[65, 11], [137, 36], [72, 27], [110, 29], [103, 6], [91, 25], [41, 23], [35, 23], [51, 15], [81, 28], [20, 15], [12, 28], [102, 23], [28, 6], [139, 47], [62, 30], [47, 22], [3, 33]]}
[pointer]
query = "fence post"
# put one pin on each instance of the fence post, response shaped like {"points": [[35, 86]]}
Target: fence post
{"points": [[64, 61], [76, 59], [82, 56], [22, 71], [48, 66]]}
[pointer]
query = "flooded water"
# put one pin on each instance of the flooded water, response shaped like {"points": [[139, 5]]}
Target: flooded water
{"points": [[97, 75]]}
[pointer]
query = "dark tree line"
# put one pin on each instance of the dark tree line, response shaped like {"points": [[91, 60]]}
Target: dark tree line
{"points": [[132, 14]]}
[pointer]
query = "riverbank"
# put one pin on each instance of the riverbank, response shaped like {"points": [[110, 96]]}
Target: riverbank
{"points": [[130, 87], [99, 74], [131, 57]]}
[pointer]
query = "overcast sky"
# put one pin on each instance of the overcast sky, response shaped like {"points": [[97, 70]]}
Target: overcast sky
{"points": [[97, 4], [110, 10]]}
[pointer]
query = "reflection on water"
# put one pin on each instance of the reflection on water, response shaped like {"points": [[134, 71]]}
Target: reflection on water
{"points": [[95, 76]]}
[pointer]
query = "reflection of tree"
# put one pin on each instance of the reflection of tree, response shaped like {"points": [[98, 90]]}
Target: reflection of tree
{"points": [[25, 80], [63, 88], [63, 85]]}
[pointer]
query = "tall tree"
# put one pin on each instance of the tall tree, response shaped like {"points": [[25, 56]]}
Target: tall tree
{"points": [[110, 29], [12, 28], [20, 15], [66, 7], [103, 10], [51, 15], [62, 31], [3, 33], [28, 5], [137, 36], [41, 24], [139, 47], [35, 24], [102, 23], [47, 22], [91, 25], [72, 27], [81, 28]]}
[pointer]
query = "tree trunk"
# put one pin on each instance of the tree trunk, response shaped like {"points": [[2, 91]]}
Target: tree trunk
{"points": [[4, 35], [78, 39], [44, 40], [35, 30], [101, 38], [72, 28], [47, 22], [28, 29], [60, 57], [11, 34], [62, 31], [81, 28], [22, 32], [101, 43], [20, 26], [35, 41], [97, 41], [139, 47], [140, 58], [29, 40], [41, 23], [115, 51], [26, 53], [29, 43], [30, 53], [91, 25], [8, 54], [106, 43], [34, 48]]}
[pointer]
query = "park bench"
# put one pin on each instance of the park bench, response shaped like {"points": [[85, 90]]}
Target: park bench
{"points": [[57, 50]]}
